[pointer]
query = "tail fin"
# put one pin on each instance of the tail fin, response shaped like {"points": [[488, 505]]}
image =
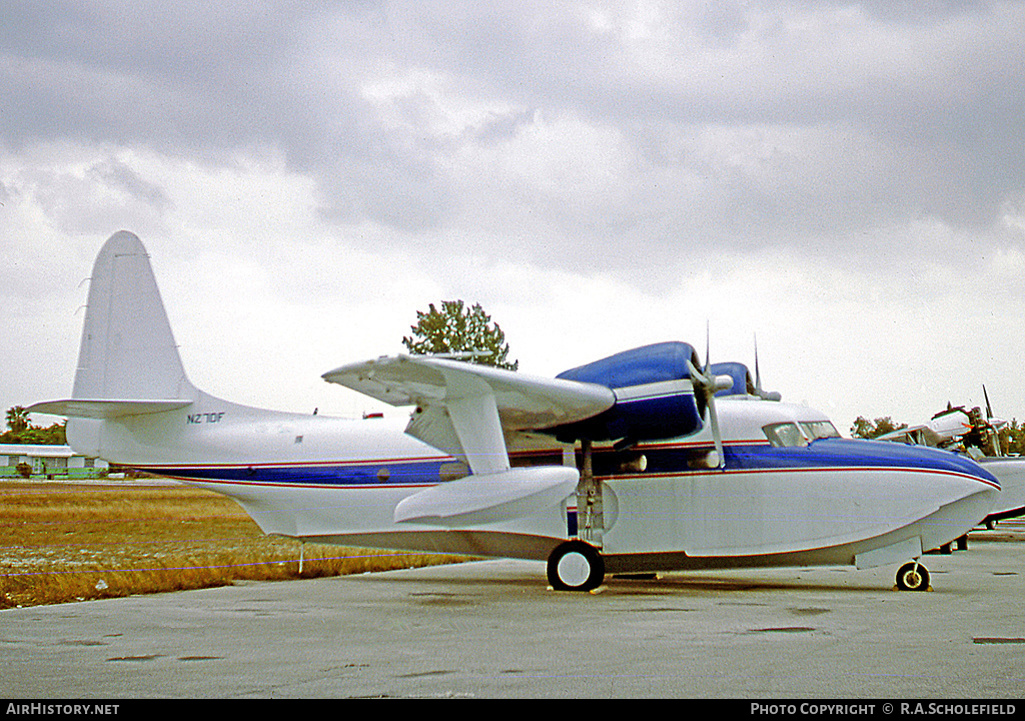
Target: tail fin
{"points": [[128, 362], [128, 350]]}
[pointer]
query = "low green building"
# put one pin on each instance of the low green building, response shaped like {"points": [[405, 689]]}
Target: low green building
{"points": [[54, 462]]}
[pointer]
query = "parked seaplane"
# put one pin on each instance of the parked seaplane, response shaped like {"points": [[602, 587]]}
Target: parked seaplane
{"points": [[969, 432], [628, 464], [955, 428]]}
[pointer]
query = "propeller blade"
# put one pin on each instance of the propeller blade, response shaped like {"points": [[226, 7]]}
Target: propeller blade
{"points": [[706, 385], [716, 435], [708, 348], [697, 379], [765, 396], [758, 374]]}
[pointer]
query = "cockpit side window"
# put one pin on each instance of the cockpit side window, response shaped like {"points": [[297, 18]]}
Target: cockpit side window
{"points": [[784, 435]]}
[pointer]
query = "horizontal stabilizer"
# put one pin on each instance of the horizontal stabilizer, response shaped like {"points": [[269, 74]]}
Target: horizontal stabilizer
{"points": [[106, 409], [490, 498]]}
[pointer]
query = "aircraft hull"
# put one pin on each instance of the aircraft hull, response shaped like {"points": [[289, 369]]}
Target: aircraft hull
{"points": [[315, 515], [1011, 474], [716, 519]]}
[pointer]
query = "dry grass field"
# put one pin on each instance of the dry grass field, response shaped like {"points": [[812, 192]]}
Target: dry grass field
{"points": [[61, 543]]}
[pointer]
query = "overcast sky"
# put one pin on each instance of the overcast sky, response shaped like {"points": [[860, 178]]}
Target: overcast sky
{"points": [[843, 180]]}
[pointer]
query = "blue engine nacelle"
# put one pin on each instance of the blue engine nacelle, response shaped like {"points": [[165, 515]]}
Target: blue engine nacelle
{"points": [[742, 383], [654, 396]]}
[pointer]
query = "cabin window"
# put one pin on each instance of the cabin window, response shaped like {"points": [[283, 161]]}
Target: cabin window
{"points": [[784, 435]]}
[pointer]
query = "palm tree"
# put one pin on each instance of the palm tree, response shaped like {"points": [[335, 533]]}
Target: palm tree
{"points": [[17, 419]]}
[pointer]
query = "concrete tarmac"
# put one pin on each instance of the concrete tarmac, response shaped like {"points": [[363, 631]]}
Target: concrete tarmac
{"points": [[493, 629]]}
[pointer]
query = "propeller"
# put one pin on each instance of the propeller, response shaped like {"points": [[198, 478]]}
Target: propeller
{"points": [[758, 373], [764, 395], [993, 427], [707, 385]]}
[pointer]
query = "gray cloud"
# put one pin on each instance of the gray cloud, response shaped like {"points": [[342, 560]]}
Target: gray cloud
{"points": [[551, 129], [117, 176]]}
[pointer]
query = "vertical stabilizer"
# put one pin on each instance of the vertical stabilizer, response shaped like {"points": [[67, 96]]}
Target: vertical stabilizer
{"points": [[128, 350]]}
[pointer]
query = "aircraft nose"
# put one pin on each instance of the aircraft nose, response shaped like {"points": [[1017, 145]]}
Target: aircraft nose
{"points": [[970, 495], [935, 460], [968, 467], [948, 492]]}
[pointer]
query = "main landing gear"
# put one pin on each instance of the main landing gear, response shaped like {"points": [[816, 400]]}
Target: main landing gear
{"points": [[575, 566], [913, 576]]}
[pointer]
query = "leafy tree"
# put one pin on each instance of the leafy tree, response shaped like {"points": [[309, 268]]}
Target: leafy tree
{"points": [[21, 431], [455, 329], [864, 428], [1012, 438]]}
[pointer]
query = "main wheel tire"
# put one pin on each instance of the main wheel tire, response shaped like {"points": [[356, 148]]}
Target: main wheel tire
{"points": [[913, 577], [575, 566]]}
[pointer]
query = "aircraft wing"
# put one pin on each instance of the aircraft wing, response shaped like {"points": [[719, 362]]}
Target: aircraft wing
{"points": [[920, 435], [465, 409], [901, 435]]}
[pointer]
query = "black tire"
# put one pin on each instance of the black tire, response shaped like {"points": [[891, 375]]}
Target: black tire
{"points": [[913, 577], [575, 566]]}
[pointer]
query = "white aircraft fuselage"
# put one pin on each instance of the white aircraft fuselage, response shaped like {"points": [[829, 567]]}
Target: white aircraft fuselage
{"points": [[788, 492], [828, 501]]}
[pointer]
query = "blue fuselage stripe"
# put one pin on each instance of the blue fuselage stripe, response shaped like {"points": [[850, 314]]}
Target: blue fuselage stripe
{"points": [[383, 473], [832, 454]]}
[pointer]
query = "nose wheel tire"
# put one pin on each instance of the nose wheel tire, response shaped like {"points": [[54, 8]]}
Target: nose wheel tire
{"points": [[913, 577], [575, 566]]}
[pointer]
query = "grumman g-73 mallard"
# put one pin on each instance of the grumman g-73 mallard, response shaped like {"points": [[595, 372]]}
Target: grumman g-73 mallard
{"points": [[648, 460]]}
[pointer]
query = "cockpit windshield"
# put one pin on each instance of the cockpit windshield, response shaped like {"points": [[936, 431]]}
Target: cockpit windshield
{"points": [[791, 435], [785, 435], [819, 429]]}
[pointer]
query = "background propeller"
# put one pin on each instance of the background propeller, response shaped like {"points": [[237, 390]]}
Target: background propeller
{"points": [[994, 425], [764, 395]]}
